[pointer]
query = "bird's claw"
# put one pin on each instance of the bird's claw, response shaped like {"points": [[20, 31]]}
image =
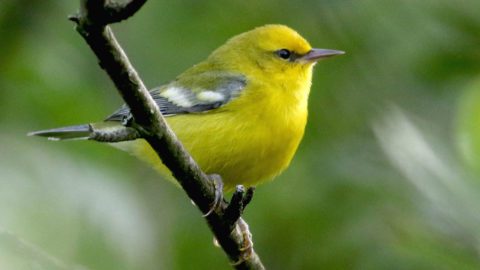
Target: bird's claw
{"points": [[218, 186]]}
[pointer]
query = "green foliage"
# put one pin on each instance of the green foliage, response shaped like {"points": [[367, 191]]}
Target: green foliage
{"points": [[384, 178], [468, 121]]}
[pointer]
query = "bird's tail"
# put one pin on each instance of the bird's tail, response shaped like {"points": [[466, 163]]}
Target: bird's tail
{"points": [[79, 132]]}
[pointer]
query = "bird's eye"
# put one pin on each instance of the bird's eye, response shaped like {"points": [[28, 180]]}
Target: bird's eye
{"points": [[284, 53]]}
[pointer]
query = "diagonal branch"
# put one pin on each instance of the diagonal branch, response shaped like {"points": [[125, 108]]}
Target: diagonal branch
{"points": [[230, 230]]}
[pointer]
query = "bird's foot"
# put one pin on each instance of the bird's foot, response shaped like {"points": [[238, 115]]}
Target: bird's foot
{"points": [[233, 214], [240, 199], [218, 186]]}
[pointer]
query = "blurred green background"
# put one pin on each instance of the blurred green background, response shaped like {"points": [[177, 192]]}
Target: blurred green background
{"points": [[385, 178]]}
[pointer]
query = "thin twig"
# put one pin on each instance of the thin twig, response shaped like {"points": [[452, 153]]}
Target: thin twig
{"points": [[92, 23], [116, 135]]}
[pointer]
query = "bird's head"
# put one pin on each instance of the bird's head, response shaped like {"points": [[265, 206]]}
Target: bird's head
{"points": [[275, 50]]}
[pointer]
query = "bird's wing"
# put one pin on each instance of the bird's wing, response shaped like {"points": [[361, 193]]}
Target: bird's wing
{"points": [[192, 94]]}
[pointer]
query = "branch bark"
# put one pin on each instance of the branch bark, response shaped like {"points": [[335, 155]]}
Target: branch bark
{"points": [[225, 221]]}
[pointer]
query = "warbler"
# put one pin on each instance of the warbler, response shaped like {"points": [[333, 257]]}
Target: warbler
{"points": [[241, 113]]}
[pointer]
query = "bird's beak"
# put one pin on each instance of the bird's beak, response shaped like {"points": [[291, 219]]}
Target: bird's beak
{"points": [[317, 54]]}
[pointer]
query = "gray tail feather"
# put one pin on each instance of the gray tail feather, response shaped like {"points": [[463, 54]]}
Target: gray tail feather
{"points": [[79, 132]]}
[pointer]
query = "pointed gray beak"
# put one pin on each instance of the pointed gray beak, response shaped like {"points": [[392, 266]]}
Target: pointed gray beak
{"points": [[316, 54]]}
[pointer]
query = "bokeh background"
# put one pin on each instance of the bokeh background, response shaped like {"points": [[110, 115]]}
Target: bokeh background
{"points": [[385, 178]]}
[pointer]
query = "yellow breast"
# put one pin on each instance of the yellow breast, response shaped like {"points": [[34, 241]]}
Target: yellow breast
{"points": [[245, 142]]}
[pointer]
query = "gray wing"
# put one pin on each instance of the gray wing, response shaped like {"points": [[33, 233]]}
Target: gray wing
{"points": [[211, 90]]}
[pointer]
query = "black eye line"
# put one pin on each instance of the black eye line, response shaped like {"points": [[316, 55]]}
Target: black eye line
{"points": [[291, 58]]}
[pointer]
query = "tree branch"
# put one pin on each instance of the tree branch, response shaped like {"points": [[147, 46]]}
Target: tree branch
{"points": [[230, 230]]}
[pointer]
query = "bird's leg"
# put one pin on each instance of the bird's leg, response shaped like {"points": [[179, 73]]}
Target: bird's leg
{"points": [[218, 186], [240, 200], [248, 197]]}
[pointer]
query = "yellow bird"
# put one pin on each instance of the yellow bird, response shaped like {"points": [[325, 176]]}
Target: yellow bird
{"points": [[241, 113]]}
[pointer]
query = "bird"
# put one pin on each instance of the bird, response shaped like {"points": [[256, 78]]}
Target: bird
{"points": [[241, 113]]}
